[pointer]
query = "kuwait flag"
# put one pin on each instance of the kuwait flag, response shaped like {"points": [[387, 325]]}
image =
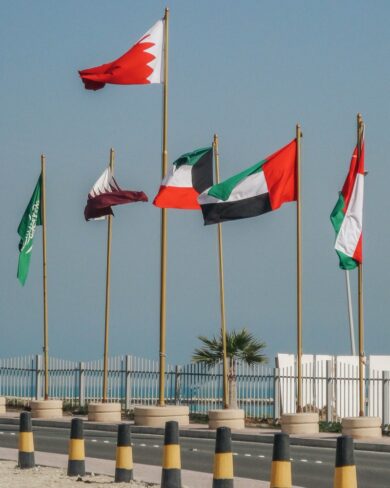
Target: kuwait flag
{"points": [[189, 176], [141, 65], [347, 216], [106, 193], [259, 189]]}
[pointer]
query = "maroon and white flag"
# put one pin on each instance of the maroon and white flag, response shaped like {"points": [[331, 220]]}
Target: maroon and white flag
{"points": [[106, 193]]}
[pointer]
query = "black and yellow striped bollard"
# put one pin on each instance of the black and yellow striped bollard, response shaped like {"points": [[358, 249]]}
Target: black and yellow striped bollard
{"points": [[345, 470], [76, 461], [223, 476], [124, 455], [26, 458], [281, 463], [171, 465]]}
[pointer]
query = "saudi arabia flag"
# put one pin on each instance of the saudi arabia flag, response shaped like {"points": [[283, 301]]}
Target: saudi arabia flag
{"points": [[347, 216], [259, 189], [26, 230], [188, 176]]}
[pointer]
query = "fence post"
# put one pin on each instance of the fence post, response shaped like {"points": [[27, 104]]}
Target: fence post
{"points": [[385, 398], [177, 384], [128, 383], [81, 384], [276, 393], [329, 391], [38, 377]]}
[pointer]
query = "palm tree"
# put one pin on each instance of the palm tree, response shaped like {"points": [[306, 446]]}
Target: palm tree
{"points": [[240, 346]]}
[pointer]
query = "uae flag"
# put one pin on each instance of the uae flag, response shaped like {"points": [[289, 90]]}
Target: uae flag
{"points": [[188, 176], [106, 193], [141, 65], [347, 216], [259, 189]]}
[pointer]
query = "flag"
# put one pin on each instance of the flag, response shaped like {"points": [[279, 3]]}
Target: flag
{"points": [[26, 230], [141, 65], [259, 189], [188, 176], [106, 193], [347, 215]]}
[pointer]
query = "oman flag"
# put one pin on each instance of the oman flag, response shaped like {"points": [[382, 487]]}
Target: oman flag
{"points": [[189, 176], [347, 216], [141, 65], [106, 193], [259, 189]]}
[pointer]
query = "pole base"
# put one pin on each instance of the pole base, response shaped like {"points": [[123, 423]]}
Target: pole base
{"points": [[362, 427], [228, 417], [2, 404], [104, 412], [152, 416], [300, 423], [46, 409]]}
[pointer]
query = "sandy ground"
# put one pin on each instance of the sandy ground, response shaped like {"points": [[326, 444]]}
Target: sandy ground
{"points": [[13, 477]]}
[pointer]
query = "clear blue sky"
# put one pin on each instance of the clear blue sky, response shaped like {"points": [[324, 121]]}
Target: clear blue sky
{"points": [[246, 70]]}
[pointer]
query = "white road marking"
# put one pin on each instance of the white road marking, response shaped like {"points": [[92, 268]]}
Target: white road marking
{"points": [[106, 442], [235, 453], [318, 462], [247, 455], [93, 440], [13, 433], [261, 456], [194, 449], [303, 460], [143, 445], [156, 445]]}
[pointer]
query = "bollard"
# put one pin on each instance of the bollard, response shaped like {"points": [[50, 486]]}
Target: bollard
{"points": [[76, 462], [345, 470], [281, 464], [223, 459], [124, 455], [171, 465], [26, 458]]}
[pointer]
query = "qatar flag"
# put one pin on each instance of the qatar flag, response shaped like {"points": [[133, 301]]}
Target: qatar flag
{"points": [[141, 65], [106, 193]]}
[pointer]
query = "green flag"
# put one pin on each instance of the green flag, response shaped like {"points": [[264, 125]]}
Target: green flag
{"points": [[31, 218]]}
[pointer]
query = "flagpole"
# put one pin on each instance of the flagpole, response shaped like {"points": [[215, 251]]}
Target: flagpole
{"points": [[299, 272], [108, 283], [221, 290], [44, 263], [360, 295], [350, 313], [162, 358]]}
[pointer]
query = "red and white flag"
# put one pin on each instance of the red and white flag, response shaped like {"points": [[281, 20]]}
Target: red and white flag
{"points": [[141, 65], [106, 193]]}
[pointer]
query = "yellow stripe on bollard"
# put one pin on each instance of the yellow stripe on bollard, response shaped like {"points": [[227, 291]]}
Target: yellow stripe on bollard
{"points": [[26, 442], [124, 457], [223, 465], [281, 474], [345, 477], [76, 450], [171, 456]]}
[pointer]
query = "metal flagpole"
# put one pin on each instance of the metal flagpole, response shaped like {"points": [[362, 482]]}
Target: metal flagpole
{"points": [[161, 400], [299, 272], [221, 289], [360, 295], [107, 310], [45, 314], [350, 313]]}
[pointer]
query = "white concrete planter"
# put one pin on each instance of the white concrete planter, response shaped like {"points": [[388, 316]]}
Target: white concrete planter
{"points": [[2, 404], [46, 409], [153, 416], [104, 412], [300, 423], [362, 427], [228, 417]]}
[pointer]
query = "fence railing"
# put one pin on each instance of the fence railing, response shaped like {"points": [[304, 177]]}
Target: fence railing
{"points": [[329, 387]]}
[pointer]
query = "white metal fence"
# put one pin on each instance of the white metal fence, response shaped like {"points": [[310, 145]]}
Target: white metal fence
{"points": [[330, 384]]}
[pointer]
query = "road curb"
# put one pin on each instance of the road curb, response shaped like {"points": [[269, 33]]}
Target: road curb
{"points": [[204, 434]]}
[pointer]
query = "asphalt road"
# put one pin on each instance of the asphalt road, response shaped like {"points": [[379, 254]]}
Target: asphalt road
{"points": [[312, 467]]}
